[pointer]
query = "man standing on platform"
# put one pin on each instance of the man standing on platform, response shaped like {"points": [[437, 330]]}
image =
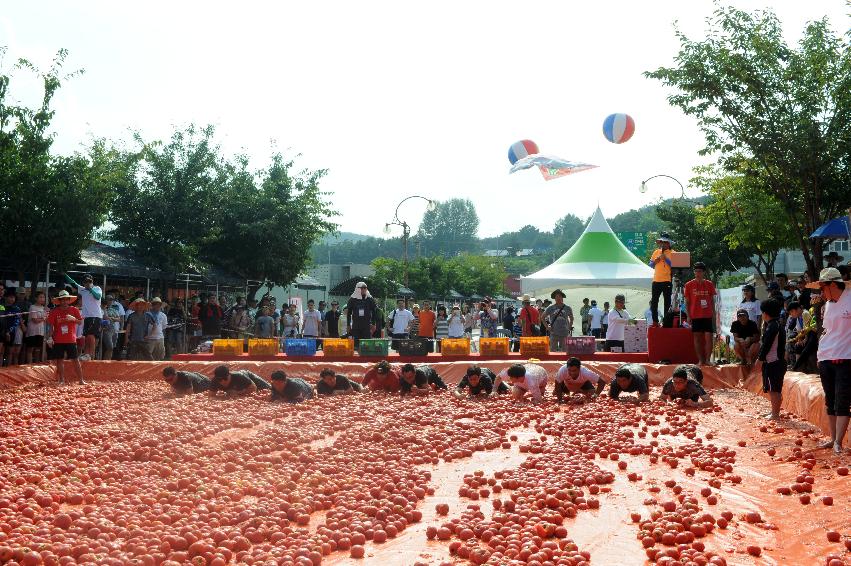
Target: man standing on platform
{"points": [[559, 319], [427, 321], [585, 317], [699, 294], [361, 313], [331, 321], [660, 261], [400, 323], [529, 317], [90, 295]]}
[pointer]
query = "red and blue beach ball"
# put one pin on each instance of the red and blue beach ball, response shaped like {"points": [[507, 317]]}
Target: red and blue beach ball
{"points": [[521, 149], [618, 128]]}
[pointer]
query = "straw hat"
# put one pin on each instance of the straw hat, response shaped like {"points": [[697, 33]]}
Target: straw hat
{"points": [[64, 295]]}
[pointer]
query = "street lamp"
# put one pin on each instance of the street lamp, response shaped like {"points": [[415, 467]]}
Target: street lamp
{"points": [[406, 229], [642, 188]]}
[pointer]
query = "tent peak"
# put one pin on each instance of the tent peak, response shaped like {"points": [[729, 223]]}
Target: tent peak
{"points": [[598, 223]]}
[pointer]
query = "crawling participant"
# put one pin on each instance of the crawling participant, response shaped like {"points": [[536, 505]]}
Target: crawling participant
{"points": [[382, 378], [479, 381], [630, 378], [331, 383], [236, 383], [419, 380], [692, 371], [525, 378], [579, 382], [289, 389], [186, 382], [682, 388]]}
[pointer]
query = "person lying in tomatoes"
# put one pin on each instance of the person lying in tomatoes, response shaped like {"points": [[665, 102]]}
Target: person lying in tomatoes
{"points": [[685, 390], [332, 383], [577, 382], [289, 389], [186, 382], [382, 377], [236, 383], [419, 380], [479, 381], [630, 378], [525, 379]]}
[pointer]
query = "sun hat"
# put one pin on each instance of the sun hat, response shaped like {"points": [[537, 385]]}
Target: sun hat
{"points": [[525, 298], [664, 237], [834, 255], [829, 274], [139, 300], [558, 292], [64, 295], [156, 300]]}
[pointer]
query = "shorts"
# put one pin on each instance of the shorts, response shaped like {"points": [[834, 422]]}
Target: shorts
{"points": [[92, 325], [772, 376], [59, 351], [34, 341], [836, 382], [701, 325]]}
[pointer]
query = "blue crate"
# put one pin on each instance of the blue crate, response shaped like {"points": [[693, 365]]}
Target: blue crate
{"points": [[300, 346]]}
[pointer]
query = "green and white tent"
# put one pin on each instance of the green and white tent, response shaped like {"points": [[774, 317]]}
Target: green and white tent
{"points": [[597, 259]]}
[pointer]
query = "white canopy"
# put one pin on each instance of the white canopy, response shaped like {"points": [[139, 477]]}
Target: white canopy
{"points": [[597, 259]]}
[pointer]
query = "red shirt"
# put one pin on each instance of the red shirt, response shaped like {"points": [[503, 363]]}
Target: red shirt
{"points": [[427, 323], [378, 382], [64, 331], [529, 315], [700, 296]]}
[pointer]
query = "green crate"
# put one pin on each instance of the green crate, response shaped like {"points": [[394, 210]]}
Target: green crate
{"points": [[373, 347]]}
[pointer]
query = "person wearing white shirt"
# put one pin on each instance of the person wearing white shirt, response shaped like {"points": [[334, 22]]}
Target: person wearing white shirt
{"points": [[400, 323], [525, 379], [596, 317], [312, 321], [648, 316], [751, 304], [456, 323], [618, 319], [574, 380], [155, 323], [90, 296], [834, 355]]}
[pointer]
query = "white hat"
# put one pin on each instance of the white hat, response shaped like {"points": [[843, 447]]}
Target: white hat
{"points": [[525, 298]]}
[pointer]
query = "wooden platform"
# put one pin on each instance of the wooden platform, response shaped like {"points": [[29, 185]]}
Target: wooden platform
{"points": [[640, 357]]}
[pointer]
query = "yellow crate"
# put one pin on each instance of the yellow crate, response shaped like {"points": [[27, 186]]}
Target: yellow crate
{"points": [[455, 346], [227, 347], [343, 347], [263, 346], [534, 346], [493, 346]]}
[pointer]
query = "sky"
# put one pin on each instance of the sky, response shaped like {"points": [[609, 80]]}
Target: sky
{"points": [[393, 98]]}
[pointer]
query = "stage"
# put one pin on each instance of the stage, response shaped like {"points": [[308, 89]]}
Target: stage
{"points": [[472, 358]]}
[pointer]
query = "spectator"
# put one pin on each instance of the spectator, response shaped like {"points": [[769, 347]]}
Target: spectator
{"points": [[772, 355], [64, 320], [630, 378], [331, 321], [455, 323], [155, 323], [264, 324], [805, 291], [36, 317], [745, 337], [441, 326], [210, 315], [595, 321], [176, 329], [312, 325], [415, 321], [400, 323], [794, 325], [648, 316], [699, 294], [618, 319], [530, 318], [290, 322], [750, 303], [239, 320], [428, 322], [10, 327], [586, 318], [508, 321], [783, 285], [116, 309], [832, 259], [559, 320], [361, 313], [469, 320], [90, 295], [488, 319], [108, 336], [834, 355], [660, 261], [136, 329]]}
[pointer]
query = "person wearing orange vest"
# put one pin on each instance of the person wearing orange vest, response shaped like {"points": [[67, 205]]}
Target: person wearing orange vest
{"points": [[660, 261]]}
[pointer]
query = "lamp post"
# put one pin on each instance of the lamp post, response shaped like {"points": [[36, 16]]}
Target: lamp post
{"points": [[643, 187], [406, 229]]}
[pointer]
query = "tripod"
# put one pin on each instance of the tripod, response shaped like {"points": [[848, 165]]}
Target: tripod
{"points": [[677, 293]]}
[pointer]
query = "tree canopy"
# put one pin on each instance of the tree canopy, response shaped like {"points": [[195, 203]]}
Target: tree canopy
{"points": [[436, 276], [785, 110], [452, 226]]}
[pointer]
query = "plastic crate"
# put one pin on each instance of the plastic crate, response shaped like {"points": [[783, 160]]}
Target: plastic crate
{"points": [[300, 346], [413, 346], [373, 347], [493, 346], [580, 345], [227, 347], [531, 346], [343, 347], [263, 346], [455, 347]]}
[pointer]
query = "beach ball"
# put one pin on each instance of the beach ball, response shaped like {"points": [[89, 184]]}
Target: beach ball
{"points": [[521, 149], [618, 128]]}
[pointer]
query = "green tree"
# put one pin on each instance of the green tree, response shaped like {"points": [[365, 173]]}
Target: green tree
{"points": [[270, 221], [566, 231], [742, 209], [706, 243], [475, 275], [450, 227], [39, 188], [389, 273], [787, 110]]}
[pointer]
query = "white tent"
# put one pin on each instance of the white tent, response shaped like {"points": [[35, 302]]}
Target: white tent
{"points": [[597, 259]]}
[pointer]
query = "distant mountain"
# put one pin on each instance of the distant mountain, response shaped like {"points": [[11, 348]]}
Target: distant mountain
{"points": [[343, 237]]}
